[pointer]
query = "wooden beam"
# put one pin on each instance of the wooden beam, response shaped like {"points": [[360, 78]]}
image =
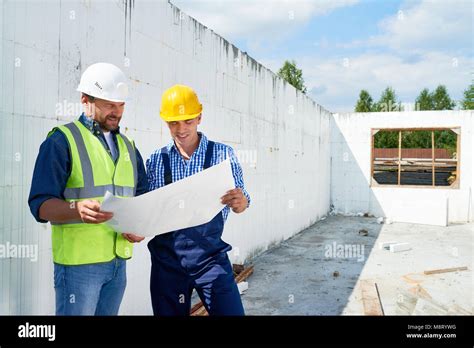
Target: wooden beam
{"points": [[196, 307], [455, 129], [201, 311], [372, 157], [458, 157], [244, 274], [445, 270], [399, 155], [433, 159]]}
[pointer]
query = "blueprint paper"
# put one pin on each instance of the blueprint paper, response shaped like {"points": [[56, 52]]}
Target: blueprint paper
{"points": [[189, 202]]}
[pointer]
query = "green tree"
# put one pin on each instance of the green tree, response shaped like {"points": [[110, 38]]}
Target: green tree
{"points": [[416, 139], [365, 102], [446, 139], [443, 139], [442, 100], [424, 101], [388, 101], [292, 75], [468, 102], [386, 140]]}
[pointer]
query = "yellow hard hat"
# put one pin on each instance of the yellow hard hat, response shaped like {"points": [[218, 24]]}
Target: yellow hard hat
{"points": [[179, 103]]}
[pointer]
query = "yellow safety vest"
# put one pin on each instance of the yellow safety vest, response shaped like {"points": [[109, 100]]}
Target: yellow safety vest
{"points": [[93, 173]]}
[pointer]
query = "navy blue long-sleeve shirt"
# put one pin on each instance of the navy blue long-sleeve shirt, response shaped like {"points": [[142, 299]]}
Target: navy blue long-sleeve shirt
{"points": [[53, 167]]}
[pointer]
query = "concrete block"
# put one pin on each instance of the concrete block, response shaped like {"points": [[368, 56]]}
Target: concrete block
{"points": [[242, 286], [386, 245], [395, 248]]}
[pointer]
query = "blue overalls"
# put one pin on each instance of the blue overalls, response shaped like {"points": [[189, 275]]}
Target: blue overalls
{"points": [[194, 257]]}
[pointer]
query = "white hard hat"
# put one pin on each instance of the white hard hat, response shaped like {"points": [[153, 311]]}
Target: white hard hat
{"points": [[104, 81]]}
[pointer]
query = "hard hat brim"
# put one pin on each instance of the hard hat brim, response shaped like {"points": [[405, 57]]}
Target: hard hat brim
{"points": [[102, 97], [179, 118]]}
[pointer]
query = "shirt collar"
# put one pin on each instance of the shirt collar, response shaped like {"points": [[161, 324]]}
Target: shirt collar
{"points": [[200, 149], [93, 126]]}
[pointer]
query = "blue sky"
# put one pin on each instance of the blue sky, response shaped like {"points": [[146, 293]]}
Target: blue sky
{"points": [[342, 25], [344, 46]]}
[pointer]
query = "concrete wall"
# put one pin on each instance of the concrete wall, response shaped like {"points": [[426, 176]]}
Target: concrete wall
{"points": [[350, 166], [281, 136]]}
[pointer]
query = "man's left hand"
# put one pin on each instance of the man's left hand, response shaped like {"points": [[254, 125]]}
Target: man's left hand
{"points": [[236, 200], [132, 238]]}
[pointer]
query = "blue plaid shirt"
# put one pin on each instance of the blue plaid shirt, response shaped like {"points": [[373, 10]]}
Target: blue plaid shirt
{"points": [[181, 168]]}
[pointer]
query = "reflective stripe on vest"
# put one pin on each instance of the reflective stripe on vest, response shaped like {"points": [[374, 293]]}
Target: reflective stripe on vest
{"points": [[93, 173]]}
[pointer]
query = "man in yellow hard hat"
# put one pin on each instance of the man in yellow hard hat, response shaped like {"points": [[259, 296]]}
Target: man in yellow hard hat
{"points": [[196, 257], [76, 165]]}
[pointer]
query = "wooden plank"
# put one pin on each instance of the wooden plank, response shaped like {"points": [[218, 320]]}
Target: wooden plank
{"points": [[196, 307], [244, 274], [415, 159], [201, 311], [445, 270], [447, 187], [372, 160], [399, 155], [455, 129], [455, 184], [433, 158], [370, 299]]}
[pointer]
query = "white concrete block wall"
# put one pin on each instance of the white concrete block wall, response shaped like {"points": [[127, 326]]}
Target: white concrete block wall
{"points": [[350, 160], [281, 136]]}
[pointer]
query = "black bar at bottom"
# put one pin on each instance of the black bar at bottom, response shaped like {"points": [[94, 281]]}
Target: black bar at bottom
{"points": [[139, 330]]}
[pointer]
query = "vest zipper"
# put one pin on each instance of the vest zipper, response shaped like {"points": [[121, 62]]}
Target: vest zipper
{"points": [[105, 145], [115, 167]]}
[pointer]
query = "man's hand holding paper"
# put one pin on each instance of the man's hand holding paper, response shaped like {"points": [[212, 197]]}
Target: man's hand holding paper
{"points": [[189, 202]]}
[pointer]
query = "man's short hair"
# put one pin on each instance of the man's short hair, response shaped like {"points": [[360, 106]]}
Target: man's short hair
{"points": [[91, 98]]}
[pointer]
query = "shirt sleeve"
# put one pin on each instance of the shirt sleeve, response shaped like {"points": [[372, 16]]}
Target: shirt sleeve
{"points": [[51, 172], [142, 181], [237, 173], [149, 173], [153, 172]]}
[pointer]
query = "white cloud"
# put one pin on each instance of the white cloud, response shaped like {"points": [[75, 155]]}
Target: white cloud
{"points": [[441, 25], [336, 86], [425, 44], [257, 20]]}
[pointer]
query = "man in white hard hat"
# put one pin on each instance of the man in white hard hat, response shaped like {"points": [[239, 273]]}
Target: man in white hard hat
{"points": [[77, 163]]}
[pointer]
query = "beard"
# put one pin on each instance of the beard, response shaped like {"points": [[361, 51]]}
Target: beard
{"points": [[110, 123]]}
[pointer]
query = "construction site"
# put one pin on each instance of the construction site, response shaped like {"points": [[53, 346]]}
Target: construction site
{"points": [[336, 225]]}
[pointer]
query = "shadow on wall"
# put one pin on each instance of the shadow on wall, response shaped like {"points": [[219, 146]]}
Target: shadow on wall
{"points": [[351, 193]]}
